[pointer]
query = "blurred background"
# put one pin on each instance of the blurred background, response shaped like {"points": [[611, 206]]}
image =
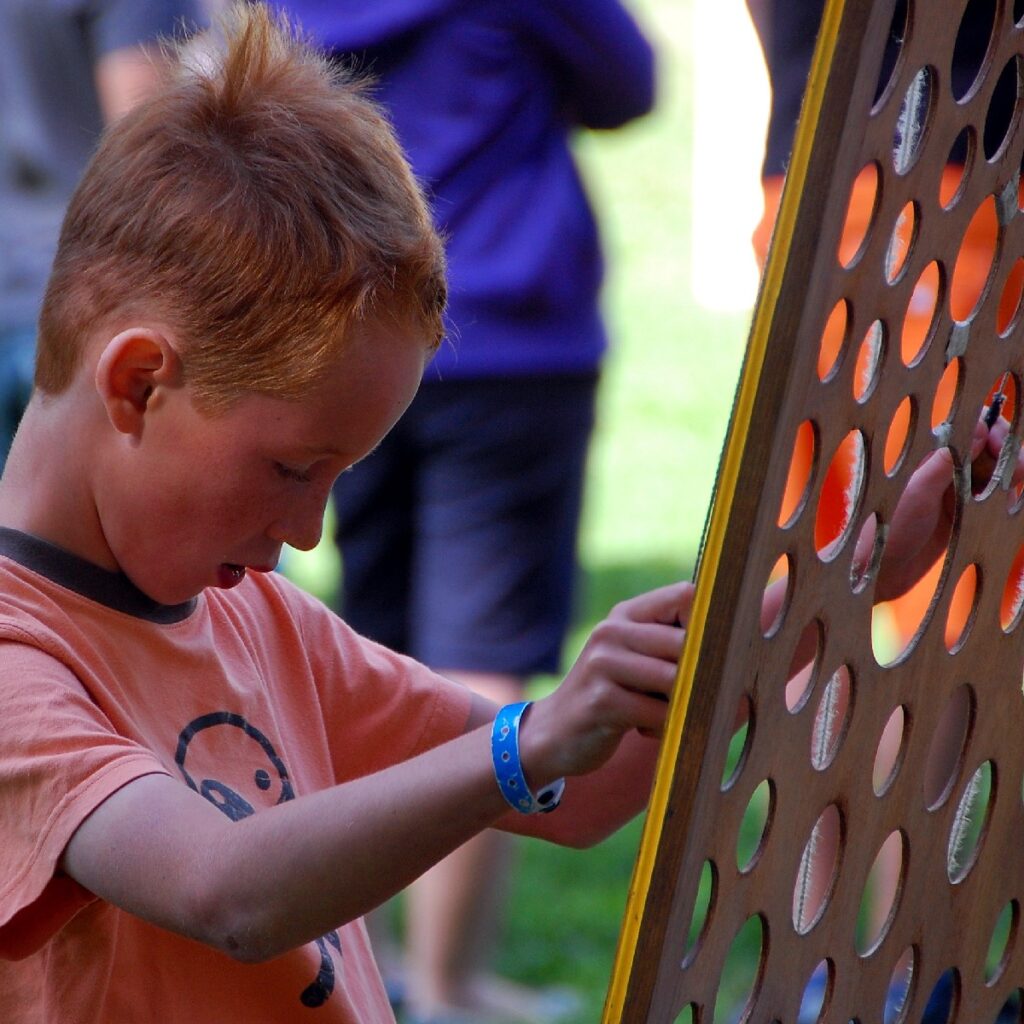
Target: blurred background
{"points": [[678, 196]]}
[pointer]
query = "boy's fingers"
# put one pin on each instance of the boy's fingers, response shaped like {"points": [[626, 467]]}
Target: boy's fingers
{"points": [[988, 437], [980, 436], [685, 605], [998, 434], [655, 640], [986, 447], [650, 677], [669, 605], [996, 440], [619, 670], [646, 710]]}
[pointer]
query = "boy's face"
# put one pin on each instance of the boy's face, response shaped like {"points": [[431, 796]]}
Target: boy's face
{"points": [[205, 499]]}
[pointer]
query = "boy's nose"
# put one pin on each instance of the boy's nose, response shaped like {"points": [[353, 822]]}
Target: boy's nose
{"points": [[302, 526]]}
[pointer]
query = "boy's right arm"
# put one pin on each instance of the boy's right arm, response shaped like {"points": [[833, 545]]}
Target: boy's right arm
{"points": [[270, 882], [261, 886]]}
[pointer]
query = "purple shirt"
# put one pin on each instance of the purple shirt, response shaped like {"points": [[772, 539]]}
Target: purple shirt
{"points": [[485, 96]]}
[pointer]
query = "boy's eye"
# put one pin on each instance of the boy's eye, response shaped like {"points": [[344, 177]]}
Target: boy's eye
{"points": [[290, 473]]}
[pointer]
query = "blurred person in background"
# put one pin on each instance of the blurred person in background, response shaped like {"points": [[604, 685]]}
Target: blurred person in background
{"points": [[68, 67], [458, 535]]}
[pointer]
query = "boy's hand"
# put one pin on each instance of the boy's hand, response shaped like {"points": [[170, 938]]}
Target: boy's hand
{"points": [[620, 682], [921, 524]]}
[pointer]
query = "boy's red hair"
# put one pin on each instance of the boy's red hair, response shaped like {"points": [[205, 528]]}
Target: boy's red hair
{"points": [[260, 205]]}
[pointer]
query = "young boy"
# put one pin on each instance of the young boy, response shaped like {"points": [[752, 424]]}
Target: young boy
{"points": [[206, 777]]}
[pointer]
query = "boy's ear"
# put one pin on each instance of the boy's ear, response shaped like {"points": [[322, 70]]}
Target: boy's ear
{"points": [[132, 369]]}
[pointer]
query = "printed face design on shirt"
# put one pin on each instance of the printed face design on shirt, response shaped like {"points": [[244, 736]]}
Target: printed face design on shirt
{"points": [[228, 740], [259, 778]]}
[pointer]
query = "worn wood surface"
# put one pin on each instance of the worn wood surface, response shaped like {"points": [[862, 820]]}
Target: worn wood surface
{"points": [[953, 704]]}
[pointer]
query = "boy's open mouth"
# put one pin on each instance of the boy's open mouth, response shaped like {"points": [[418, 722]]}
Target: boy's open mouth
{"points": [[230, 575]]}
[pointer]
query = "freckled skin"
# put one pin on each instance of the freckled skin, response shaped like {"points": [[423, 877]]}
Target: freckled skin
{"points": [[211, 491]]}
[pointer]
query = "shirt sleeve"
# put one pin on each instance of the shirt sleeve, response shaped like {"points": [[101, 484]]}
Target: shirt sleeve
{"points": [[605, 63], [60, 758], [379, 708]]}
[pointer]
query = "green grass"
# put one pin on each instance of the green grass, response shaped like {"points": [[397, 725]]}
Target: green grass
{"points": [[665, 402], [664, 405]]}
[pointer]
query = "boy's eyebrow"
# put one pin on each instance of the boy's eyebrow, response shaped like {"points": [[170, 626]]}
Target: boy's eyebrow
{"points": [[320, 451], [326, 451], [316, 451]]}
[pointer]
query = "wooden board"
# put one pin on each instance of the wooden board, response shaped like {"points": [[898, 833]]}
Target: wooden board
{"points": [[801, 763]]}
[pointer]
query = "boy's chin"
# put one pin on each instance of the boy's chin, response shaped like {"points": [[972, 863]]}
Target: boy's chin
{"points": [[179, 590], [173, 591]]}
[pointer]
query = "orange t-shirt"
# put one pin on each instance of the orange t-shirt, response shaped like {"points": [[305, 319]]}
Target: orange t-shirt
{"points": [[250, 697]]}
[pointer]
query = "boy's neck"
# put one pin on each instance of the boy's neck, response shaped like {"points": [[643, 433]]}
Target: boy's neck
{"points": [[44, 490]]}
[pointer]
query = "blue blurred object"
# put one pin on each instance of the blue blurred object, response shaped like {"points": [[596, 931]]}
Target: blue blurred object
{"points": [[17, 364], [940, 1002], [813, 997], [937, 1010]]}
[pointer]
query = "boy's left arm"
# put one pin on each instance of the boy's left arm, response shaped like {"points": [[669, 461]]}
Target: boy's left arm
{"points": [[597, 803], [640, 640]]}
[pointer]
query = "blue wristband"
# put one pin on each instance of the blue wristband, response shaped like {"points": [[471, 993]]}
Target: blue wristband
{"points": [[508, 769]]}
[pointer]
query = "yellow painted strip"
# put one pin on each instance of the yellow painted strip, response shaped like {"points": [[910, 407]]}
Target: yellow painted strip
{"points": [[723, 500]]}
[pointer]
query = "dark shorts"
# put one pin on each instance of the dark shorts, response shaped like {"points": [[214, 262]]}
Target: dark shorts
{"points": [[458, 534]]}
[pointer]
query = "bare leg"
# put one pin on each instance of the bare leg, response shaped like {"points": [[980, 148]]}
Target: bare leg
{"points": [[452, 924], [388, 952], [454, 910]]}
